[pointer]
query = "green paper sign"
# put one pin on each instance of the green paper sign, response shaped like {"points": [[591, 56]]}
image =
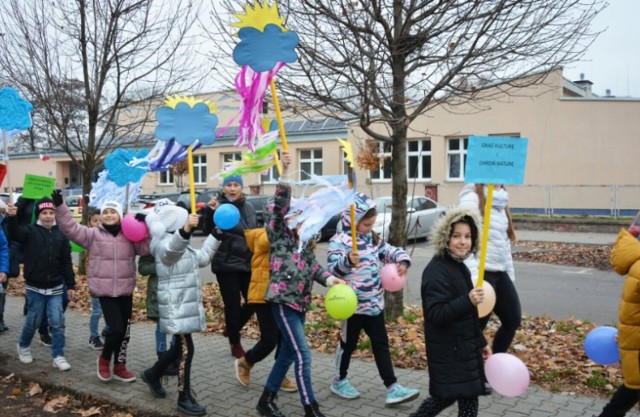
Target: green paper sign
{"points": [[37, 187]]}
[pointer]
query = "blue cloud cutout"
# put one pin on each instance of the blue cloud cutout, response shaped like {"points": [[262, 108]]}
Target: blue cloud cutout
{"points": [[262, 50], [186, 124], [121, 171], [15, 113]]}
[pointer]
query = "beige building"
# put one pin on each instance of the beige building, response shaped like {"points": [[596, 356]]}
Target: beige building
{"points": [[580, 154]]}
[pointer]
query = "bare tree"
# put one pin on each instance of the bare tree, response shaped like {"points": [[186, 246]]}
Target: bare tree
{"points": [[95, 70], [386, 62]]}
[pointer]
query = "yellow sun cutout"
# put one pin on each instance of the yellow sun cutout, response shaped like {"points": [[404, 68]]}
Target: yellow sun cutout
{"points": [[259, 16], [173, 101]]}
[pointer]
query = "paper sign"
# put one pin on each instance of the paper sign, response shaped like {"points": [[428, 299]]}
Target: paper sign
{"points": [[37, 187], [496, 160]]}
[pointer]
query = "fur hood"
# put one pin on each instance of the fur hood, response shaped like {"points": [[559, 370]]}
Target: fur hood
{"points": [[442, 230]]}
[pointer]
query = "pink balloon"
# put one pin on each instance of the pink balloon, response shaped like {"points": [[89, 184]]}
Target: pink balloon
{"points": [[507, 374], [133, 229], [392, 281]]}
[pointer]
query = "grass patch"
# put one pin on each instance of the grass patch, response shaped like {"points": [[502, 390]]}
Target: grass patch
{"points": [[597, 380]]}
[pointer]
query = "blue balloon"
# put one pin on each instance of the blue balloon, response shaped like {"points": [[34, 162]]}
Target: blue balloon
{"points": [[601, 346], [226, 216]]}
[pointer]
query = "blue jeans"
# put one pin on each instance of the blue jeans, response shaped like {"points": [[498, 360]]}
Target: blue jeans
{"points": [[37, 304], [94, 320], [161, 339], [293, 349]]}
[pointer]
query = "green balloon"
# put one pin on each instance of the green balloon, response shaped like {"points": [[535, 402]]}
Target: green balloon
{"points": [[341, 301], [76, 248]]}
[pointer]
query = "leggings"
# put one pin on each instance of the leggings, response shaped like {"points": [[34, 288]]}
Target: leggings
{"points": [[183, 350], [432, 406], [507, 309], [117, 315]]}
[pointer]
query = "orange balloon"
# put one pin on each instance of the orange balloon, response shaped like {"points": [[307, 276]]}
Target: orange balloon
{"points": [[486, 307]]}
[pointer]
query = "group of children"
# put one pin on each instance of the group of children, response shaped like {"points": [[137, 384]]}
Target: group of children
{"points": [[455, 344]]}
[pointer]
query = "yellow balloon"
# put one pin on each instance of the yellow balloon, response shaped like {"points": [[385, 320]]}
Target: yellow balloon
{"points": [[486, 307]]}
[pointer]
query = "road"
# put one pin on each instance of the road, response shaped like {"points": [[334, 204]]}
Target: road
{"points": [[556, 291]]}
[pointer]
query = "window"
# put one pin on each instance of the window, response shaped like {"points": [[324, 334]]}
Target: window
{"points": [[165, 178], [200, 169], [383, 173], [228, 158], [419, 159], [310, 163], [345, 164], [456, 158], [272, 174]]}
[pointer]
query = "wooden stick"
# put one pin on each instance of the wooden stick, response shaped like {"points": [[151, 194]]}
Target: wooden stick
{"points": [[352, 212], [192, 186], [276, 106], [485, 234], [5, 143]]}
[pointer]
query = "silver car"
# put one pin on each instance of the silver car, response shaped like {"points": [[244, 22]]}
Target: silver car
{"points": [[422, 213]]}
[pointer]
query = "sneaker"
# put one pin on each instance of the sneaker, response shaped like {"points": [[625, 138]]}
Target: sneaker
{"points": [[45, 339], [237, 350], [288, 385], [122, 374], [104, 369], [61, 363], [397, 394], [344, 389], [25, 354], [243, 371], [95, 343]]}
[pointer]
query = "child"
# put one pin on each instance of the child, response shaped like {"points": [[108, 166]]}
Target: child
{"points": [[454, 341], [96, 312], [625, 257], [289, 294], [47, 266], [4, 264], [365, 280], [112, 278], [179, 296]]}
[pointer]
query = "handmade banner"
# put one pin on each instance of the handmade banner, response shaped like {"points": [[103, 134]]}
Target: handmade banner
{"points": [[15, 117], [36, 186], [348, 150]]}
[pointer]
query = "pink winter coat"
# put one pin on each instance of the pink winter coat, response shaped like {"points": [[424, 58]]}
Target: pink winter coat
{"points": [[112, 260]]}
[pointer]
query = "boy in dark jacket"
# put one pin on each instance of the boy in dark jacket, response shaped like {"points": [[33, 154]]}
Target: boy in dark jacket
{"points": [[455, 344], [47, 256]]}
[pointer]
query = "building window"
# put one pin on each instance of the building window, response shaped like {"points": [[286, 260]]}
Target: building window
{"points": [[310, 163], [383, 173], [165, 177], [345, 164], [271, 175], [456, 158], [200, 169], [419, 159], [228, 158]]}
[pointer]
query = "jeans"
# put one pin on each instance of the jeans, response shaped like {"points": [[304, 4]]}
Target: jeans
{"points": [[507, 309], [293, 349], [161, 339], [44, 324], [622, 401], [37, 305], [94, 319], [233, 287]]}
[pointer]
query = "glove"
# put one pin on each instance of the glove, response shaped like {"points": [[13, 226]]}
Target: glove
{"points": [[219, 234], [56, 196], [140, 217], [331, 281]]}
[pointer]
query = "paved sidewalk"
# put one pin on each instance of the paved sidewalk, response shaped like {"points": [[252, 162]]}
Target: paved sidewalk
{"points": [[214, 382], [567, 237]]}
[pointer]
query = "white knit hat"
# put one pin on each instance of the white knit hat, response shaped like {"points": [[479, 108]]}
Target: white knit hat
{"points": [[166, 218], [112, 205]]}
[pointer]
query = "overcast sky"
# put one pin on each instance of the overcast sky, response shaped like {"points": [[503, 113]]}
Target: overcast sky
{"points": [[613, 61]]}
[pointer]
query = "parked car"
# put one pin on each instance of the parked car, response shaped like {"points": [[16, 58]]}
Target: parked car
{"points": [[331, 228], [5, 197], [202, 198], [259, 203], [74, 202], [145, 202], [422, 213]]}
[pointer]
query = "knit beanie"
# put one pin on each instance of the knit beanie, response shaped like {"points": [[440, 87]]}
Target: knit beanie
{"points": [[43, 204], [232, 178], [112, 205], [166, 218]]}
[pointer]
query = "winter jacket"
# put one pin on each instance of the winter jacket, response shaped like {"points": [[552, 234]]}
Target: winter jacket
{"points": [[179, 285], [365, 278], [625, 260], [292, 272], [234, 254], [147, 267], [258, 243], [498, 245], [47, 255], [453, 337], [112, 259]]}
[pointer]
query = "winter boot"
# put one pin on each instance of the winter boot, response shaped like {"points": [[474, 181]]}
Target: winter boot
{"points": [[312, 410], [188, 405], [267, 405], [154, 383]]}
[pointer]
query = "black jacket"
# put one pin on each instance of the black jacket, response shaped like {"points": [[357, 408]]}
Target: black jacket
{"points": [[47, 254], [452, 331], [233, 255]]}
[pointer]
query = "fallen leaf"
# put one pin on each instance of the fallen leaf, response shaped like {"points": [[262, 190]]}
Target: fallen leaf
{"points": [[34, 389]]}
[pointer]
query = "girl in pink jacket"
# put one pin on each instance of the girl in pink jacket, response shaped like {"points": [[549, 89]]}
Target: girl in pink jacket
{"points": [[112, 272]]}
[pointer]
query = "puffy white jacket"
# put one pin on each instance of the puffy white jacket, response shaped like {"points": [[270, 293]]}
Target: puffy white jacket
{"points": [[179, 285], [498, 245]]}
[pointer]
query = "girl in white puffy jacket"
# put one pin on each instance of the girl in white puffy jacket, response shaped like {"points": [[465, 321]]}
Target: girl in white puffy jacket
{"points": [[499, 270], [179, 296]]}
